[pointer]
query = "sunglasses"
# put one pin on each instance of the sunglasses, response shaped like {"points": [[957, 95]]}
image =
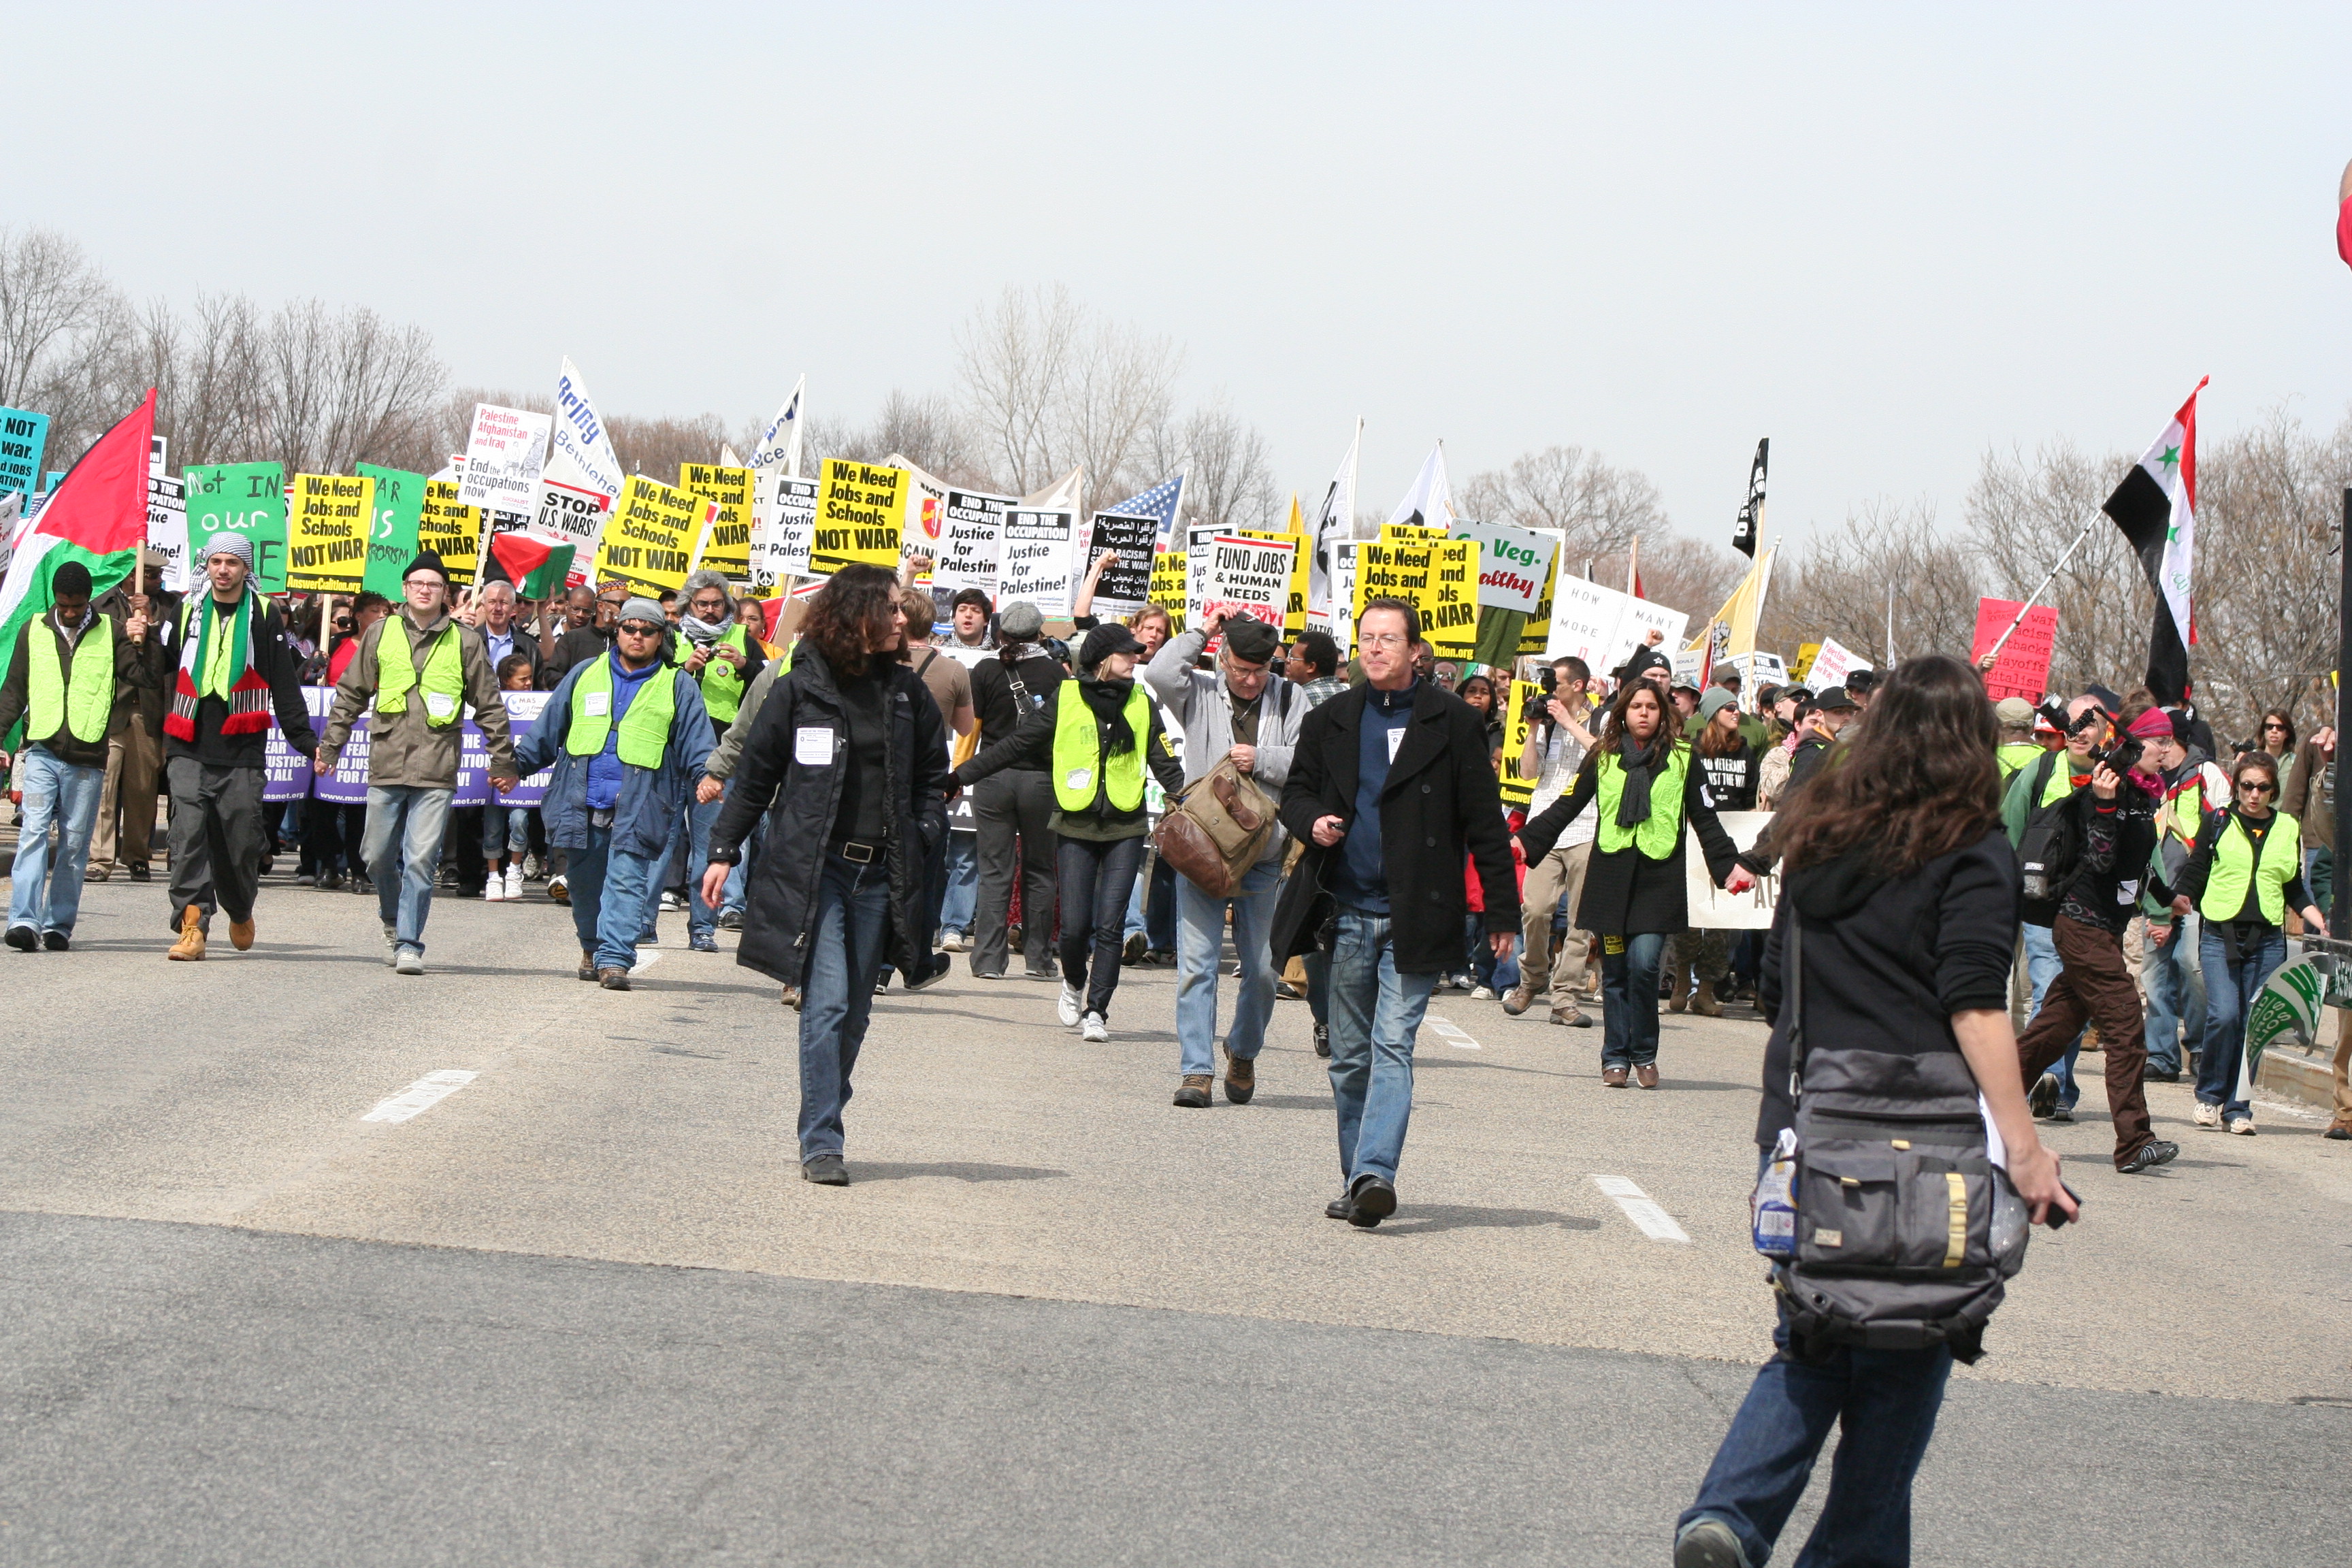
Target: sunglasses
{"points": [[639, 629], [2256, 786], [342, 623], [2274, 724]]}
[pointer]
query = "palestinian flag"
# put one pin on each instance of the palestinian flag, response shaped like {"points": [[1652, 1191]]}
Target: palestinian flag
{"points": [[533, 563], [2155, 506], [97, 514]]}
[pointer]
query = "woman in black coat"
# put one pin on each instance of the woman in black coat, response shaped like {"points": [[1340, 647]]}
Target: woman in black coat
{"points": [[1650, 797], [851, 749]]}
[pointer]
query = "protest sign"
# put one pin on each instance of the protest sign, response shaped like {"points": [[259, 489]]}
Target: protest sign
{"points": [[392, 541], [1518, 789], [1343, 594], [649, 542], [451, 530], [167, 529], [1435, 578], [1832, 662], [1409, 533], [965, 555], [861, 516], [326, 535], [1757, 671], [1168, 585], [23, 436], [2023, 667], [787, 526], [727, 542], [348, 785], [504, 454], [2286, 1008], [1514, 563], [523, 709], [927, 508], [240, 497], [1602, 626], [285, 773], [1689, 666], [1126, 584], [1033, 560], [576, 513], [1712, 909], [1536, 631], [1196, 565], [1249, 574]]}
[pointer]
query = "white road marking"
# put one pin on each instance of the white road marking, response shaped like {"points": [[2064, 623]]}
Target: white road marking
{"points": [[1641, 1208], [1451, 1035], [646, 958], [423, 1095]]}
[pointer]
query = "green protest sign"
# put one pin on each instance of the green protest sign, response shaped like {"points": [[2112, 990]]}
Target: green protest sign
{"points": [[2286, 1008], [391, 542], [240, 497]]}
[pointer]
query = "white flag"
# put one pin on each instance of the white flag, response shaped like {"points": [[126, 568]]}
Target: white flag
{"points": [[781, 442], [1429, 504], [1062, 495], [1334, 524], [583, 475]]}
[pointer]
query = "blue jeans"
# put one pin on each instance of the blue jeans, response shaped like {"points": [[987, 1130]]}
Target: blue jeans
{"points": [[63, 795], [2229, 993], [403, 850], [851, 924], [1629, 998], [1886, 1404], [1375, 1014], [1497, 975], [1096, 878], [701, 917], [2176, 997], [609, 889], [1159, 907], [1200, 941], [506, 830], [2041, 967], [963, 884], [738, 878], [1319, 985]]}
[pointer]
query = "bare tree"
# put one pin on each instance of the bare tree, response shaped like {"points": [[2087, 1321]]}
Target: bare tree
{"points": [[1600, 508], [1677, 570], [1049, 386], [1839, 588], [345, 386], [1228, 477], [655, 448], [2022, 514], [63, 328], [930, 433]]}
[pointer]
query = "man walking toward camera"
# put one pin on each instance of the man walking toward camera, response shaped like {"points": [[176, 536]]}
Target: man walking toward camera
{"points": [[1391, 789], [1555, 750]]}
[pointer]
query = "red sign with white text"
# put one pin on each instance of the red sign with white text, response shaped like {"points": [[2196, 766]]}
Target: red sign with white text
{"points": [[2023, 667]]}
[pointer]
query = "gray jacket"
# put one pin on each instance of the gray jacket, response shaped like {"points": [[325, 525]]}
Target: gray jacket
{"points": [[721, 761], [1203, 709]]}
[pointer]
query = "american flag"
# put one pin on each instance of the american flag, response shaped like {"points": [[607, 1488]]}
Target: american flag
{"points": [[1160, 501]]}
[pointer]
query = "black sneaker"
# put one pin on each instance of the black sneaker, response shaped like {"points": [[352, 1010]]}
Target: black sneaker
{"points": [[2148, 1156], [1708, 1544], [56, 941], [1323, 1041], [1370, 1200], [24, 939], [2042, 1098], [940, 964], [139, 873], [826, 1170]]}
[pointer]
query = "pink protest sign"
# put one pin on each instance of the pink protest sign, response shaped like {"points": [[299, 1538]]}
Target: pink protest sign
{"points": [[2023, 667]]}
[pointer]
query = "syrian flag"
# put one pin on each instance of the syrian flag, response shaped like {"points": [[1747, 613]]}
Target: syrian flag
{"points": [[1430, 502], [535, 564], [2155, 506], [97, 514], [1752, 516], [1335, 525]]}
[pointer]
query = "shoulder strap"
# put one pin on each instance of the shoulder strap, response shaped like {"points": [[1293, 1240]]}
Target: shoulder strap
{"points": [[929, 655], [2041, 780], [1796, 980]]}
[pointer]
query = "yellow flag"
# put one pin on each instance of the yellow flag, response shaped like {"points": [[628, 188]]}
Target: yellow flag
{"points": [[1732, 630], [1294, 615]]}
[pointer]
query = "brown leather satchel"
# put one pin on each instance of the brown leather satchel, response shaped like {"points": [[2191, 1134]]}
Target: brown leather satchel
{"points": [[1217, 829]]}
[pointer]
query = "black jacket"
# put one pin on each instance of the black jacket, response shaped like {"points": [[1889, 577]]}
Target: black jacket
{"points": [[16, 693], [276, 661], [1731, 778], [2118, 839], [998, 706], [144, 703], [526, 643], [780, 906], [1032, 746], [1441, 800], [1887, 962], [576, 646], [1807, 760], [1626, 893]]}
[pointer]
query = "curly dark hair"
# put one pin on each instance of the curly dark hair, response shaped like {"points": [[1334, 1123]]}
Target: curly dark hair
{"points": [[848, 614], [1917, 779]]}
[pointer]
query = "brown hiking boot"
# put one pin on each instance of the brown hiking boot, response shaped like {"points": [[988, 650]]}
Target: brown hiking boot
{"points": [[588, 963], [1570, 1017], [1193, 1095], [190, 948], [613, 979], [1241, 1076], [1703, 1001], [240, 934], [1612, 1078], [1518, 999]]}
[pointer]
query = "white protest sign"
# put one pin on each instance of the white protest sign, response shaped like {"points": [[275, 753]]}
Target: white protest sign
{"points": [[167, 527], [969, 538], [1712, 909], [1757, 671], [1832, 664], [1033, 560], [1690, 664], [1196, 568], [1248, 577], [504, 455], [1343, 595], [1513, 563], [783, 513], [1602, 626]]}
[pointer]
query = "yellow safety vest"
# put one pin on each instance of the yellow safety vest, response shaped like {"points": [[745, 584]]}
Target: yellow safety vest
{"points": [[1077, 752], [1658, 833], [2235, 866], [644, 728], [80, 705], [445, 672], [2013, 755], [722, 684]]}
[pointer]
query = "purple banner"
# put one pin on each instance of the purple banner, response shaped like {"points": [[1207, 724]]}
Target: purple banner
{"points": [[290, 777]]}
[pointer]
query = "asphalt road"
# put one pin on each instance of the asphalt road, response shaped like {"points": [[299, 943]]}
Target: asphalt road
{"points": [[580, 1309]]}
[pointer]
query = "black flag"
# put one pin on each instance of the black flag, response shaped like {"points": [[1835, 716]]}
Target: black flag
{"points": [[1743, 532]]}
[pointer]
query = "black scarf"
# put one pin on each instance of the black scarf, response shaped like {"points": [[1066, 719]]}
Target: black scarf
{"points": [[1633, 805], [1108, 698]]}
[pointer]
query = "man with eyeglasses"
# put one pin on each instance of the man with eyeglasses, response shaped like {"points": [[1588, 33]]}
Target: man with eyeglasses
{"points": [[422, 669]]}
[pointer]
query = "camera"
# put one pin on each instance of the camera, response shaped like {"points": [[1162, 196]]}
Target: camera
{"points": [[1539, 699]]}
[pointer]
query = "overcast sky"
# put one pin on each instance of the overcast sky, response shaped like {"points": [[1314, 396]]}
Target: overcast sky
{"points": [[1888, 237]]}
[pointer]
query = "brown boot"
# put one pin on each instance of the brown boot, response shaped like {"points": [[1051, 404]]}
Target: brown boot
{"points": [[190, 948], [1646, 1074], [1518, 999], [1680, 1000], [1703, 1001], [1612, 1078], [1194, 1093], [588, 963], [1241, 1078], [240, 934], [613, 979]]}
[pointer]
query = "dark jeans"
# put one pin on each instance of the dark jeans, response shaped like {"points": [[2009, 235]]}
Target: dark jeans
{"points": [[1884, 1404], [1015, 805], [2094, 985], [1159, 907], [330, 838], [217, 837], [851, 924], [2229, 993], [1098, 878], [1629, 998]]}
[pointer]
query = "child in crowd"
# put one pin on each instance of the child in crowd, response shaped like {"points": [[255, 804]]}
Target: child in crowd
{"points": [[506, 829]]}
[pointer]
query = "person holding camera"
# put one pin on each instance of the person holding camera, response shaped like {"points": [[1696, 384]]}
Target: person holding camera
{"points": [[1558, 741]]}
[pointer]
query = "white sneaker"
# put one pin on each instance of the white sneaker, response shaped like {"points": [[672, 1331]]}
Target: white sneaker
{"points": [[514, 882], [1095, 1028], [409, 963], [494, 888], [2208, 1115], [2243, 1126], [390, 944], [671, 903], [1482, 995], [956, 941], [1072, 1002]]}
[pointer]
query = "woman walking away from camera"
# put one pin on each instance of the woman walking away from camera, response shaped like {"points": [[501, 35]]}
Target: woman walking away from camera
{"points": [[1095, 736], [1897, 872], [2246, 874], [850, 748], [1641, 780]]}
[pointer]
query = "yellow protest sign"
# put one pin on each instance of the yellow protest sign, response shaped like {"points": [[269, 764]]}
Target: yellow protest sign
{"points": [[727, 543], [1537, 634], [326, 533], [861, 516], [1805, 653], [1169, 576], [450, 530], [1439, 579], [649, 540], [1518, 789], [1405, 533]]}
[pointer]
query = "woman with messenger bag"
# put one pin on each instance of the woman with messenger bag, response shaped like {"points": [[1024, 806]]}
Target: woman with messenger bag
{"points": [[1891, 1099]]}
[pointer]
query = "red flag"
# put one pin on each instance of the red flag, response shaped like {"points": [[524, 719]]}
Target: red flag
{"points": [[101, 503]]}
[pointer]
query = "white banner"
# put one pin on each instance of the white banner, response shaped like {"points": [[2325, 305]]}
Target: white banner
{"points": [[1512, 564], [504, 456], [1602, 626], [1832, 664], [783, 513], [1034, 560], [1247, 577], [1340, 624], [968, 543], [1712, 909], [167, 527]]}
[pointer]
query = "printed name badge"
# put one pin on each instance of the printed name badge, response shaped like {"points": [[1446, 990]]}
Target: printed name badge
{"points": [[813, 747], [596, 704], [440, 705], [1082, 778], [1396, 739]]}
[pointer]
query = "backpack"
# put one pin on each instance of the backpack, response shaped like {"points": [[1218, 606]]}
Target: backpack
{"points": [[1888, 1225], [2049, 851]]}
